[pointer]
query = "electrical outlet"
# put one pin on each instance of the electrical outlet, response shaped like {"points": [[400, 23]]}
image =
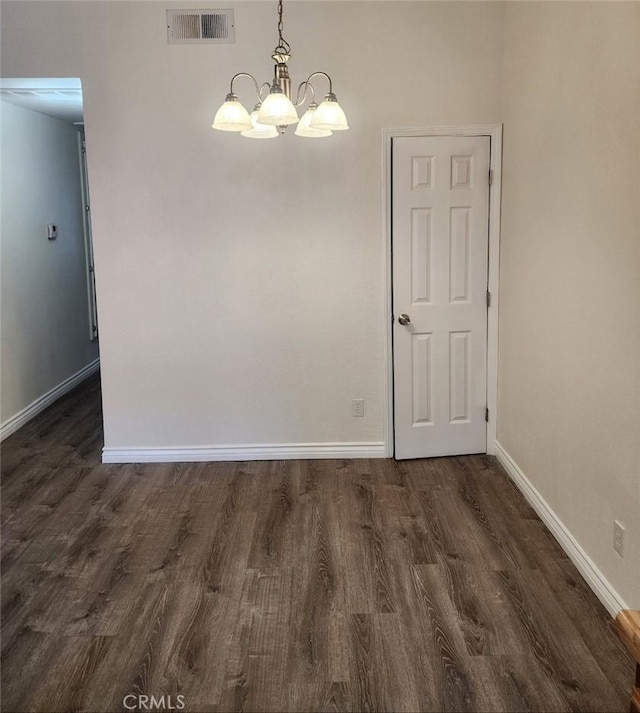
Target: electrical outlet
{"points": [[357, 407], [618, 538]]}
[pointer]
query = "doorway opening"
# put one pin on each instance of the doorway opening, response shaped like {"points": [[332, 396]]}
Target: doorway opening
{"points": [[49, 307]]}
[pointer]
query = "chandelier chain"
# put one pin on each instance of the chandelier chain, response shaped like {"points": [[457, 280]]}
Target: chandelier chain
{"points": [[283, 46]]}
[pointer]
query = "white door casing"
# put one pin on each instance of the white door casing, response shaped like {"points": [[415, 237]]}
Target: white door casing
{"points": [[88, 238], [440, 214]]}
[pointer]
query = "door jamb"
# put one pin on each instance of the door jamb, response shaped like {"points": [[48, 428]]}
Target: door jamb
{"points": [[494, 132]]}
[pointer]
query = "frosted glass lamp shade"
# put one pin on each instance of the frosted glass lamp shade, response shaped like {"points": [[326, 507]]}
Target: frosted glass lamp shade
{"points": [[259, 131], [277, 110], [329, 115], [232, 116], [304, 128]]}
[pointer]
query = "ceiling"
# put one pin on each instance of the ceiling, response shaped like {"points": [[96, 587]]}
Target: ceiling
{"points": [[59, 98]]}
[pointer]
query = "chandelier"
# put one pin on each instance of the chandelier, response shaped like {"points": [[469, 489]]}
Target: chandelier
{"points": [[275, 111]]}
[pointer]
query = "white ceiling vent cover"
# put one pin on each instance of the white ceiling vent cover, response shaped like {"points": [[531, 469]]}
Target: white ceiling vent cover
{"points": [[200, 27]]}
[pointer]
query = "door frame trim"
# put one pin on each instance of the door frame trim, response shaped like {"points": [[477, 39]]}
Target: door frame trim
{"points": [[494, 132]]}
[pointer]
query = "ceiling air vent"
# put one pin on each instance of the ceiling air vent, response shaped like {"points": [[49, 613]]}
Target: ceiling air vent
{"points": [[200, 27]]}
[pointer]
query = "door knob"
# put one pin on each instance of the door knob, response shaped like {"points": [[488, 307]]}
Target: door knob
{"points": [[404, 319]]}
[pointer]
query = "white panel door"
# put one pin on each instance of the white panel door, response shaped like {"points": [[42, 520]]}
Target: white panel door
{"points": [[440, 240]]}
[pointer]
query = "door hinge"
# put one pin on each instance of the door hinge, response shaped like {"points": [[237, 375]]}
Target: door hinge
{"points": [[488, 298], [486, 414], [490, 176]]}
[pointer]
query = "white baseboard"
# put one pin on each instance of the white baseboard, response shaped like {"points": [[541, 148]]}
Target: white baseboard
{"points": [[12, 424], [244, 452], [611, 600]]}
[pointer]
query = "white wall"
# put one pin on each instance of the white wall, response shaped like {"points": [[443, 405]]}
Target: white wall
{"points": [[45, 333], [569, 380], [240, 283]]}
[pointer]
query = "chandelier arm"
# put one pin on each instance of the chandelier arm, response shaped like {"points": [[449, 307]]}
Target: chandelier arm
{"points": [[306, 85], [262, 86], [320, 74], [245, 74]]}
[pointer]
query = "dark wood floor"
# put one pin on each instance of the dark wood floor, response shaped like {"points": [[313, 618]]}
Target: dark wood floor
{"points": [[356, 585]]}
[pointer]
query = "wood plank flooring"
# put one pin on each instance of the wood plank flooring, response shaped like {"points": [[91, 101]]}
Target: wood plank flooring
{"points": [[352, 585]]}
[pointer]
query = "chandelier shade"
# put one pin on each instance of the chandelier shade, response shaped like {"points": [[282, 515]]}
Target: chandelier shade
{"points": [[232, 116], [275, 111], [329, 115], [258, 130], [304, 125]]}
